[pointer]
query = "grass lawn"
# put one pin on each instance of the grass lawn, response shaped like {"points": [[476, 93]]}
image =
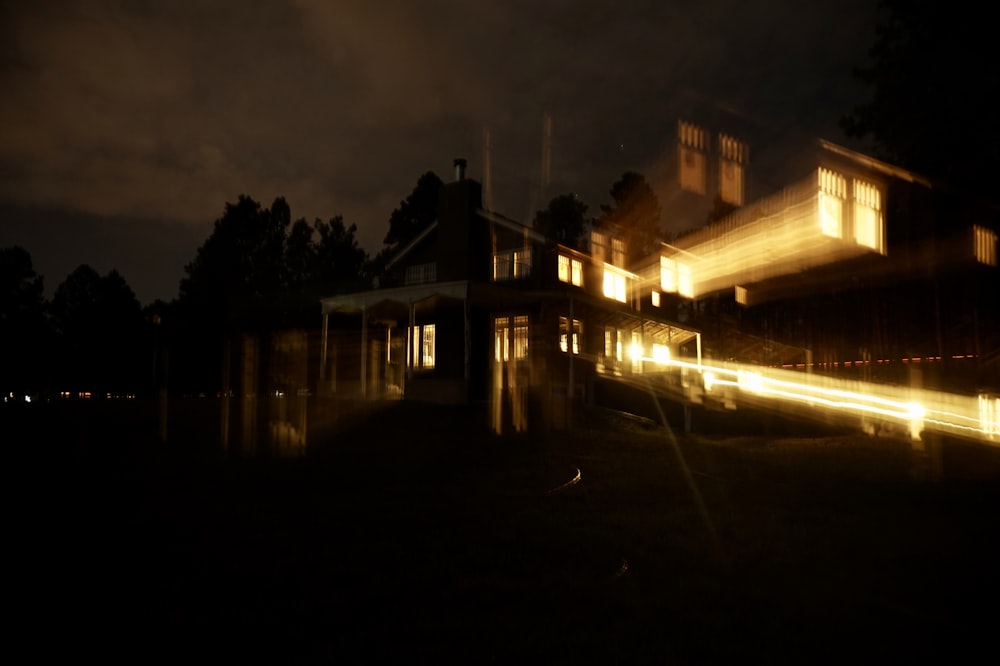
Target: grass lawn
{"points": [[415, 536]]}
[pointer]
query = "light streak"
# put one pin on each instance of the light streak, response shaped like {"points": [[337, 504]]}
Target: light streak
{"points": [[793, 230], [916, 409]]}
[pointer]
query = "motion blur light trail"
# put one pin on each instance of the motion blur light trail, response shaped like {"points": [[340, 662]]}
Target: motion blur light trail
{"points": [[874, 405]]}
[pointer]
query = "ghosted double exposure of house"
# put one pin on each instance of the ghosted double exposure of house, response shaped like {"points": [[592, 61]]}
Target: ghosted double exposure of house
{"points": [[832, 261], [481, 309]]}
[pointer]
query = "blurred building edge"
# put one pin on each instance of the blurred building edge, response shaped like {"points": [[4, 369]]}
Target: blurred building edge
{"points": [[852, 267], [482, 309]]}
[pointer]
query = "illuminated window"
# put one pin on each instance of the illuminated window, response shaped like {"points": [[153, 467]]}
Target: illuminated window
{"points": [[668, 275], [570, 270], [511, 337], [661, 353], [741, 295], [832, 192], [423, 349], [614, 285], [985, 245], [613, 351], [521, 337], [512, 264], [501, 339], [867, 215], [635, 352], [676, 277], [566, 342], [685, 282], [655, 296]]}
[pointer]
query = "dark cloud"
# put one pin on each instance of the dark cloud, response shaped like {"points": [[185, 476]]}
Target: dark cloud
{"points": [[145, 110]]}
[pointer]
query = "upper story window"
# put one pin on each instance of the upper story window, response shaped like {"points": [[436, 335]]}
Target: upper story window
{"points": [[985, 245], [570, 270], [615, 284], [832, 193], [868, 228], [599, 246], [512, 264], [733, 155], [618, 252], [676, 277], [421, 273]]}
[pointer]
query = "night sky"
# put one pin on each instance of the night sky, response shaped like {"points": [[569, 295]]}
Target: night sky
{"points": [[125, 127]]}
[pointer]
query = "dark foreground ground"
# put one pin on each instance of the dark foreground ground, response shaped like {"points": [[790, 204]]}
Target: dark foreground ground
{"points": [[414, 536]]}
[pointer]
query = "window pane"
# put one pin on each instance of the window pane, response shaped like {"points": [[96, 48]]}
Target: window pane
{"points": [[668, 275], [564, 268], [428, 346], [577, 273], [521, 337]]}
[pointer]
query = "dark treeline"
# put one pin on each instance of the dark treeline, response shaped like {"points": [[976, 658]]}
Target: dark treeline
{"points": [[257, 273]]}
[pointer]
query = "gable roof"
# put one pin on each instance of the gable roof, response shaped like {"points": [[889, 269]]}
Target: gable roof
{"points": [[412, 244]]}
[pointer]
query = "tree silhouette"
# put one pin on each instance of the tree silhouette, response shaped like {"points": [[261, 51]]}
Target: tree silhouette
{"points": [[24, 329], [636, 213], [100, 334], [563, 220], [933, 92], [415, 213], [341, 264]]}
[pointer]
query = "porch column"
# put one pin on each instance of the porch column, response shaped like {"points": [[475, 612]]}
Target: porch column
{"points": [[698, 345], [468, 337], [322, 350], [569, 347], [364, 352], [409, 345]]}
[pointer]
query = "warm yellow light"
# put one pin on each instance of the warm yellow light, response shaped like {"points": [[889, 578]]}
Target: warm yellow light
{"points": [[661, 353], [635, 351], [709, 379]]}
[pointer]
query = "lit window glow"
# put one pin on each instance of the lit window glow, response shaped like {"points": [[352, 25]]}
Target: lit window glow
{"points": [[832, 192], [985, 245], [661, 353], [614, 285], [668, 275], [867, 215], [512, 264], [521, 337], [655, 296], [685, 282], [570, 270], [564, 335], [423, 346]]}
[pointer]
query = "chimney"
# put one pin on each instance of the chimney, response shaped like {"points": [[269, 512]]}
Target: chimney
{"points": [[460, 169]]}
